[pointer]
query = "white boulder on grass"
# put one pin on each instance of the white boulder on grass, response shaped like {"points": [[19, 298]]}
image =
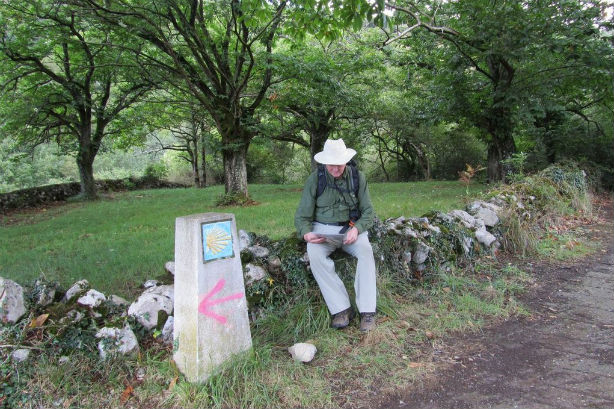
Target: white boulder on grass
{"points": [[258, 251], [244, 240], [169, 266], [487, 212], [303, 351], [12, 302], [253, 273], [484, 237], [77, 289], [116, 341], [118, 301], [153, 300], [467, 245], [465, 218], [422, 253], [91, 299], [45, 293], [20, 355], [150, 283], [167, 330]]}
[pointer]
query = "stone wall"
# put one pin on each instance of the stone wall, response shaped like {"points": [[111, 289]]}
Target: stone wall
{"points": [[37, 196]]}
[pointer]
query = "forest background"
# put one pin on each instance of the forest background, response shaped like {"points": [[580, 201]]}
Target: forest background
{"points": [[246, 91]]}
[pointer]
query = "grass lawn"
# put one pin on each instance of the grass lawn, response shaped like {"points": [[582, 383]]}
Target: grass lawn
{"points": [[119, 241], [125, 238]]}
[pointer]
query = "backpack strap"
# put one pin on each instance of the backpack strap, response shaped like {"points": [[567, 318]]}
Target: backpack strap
{"points": [[353, 178], [321, 180]]}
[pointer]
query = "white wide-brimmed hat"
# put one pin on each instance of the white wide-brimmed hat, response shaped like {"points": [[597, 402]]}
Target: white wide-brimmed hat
{"points": [[334, 153]]}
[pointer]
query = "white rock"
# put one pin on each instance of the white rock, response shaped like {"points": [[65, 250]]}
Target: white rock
{"points": [[244, 240], [303, 351], [12, 302], [484, 211], [253, 273], [258, 251], [274, 263], [116, 341], [20, 355], [479, 224], [153, 300], [422, 253], [167, 330], [484, 237], [406, 256], [409, 232], [92, 299], [117, 300], [477, 204], [63, 360], [488, 216], [77, 289], [465, 218], [150, 283], [434, 229], [74, 315], [467, 245], [170, 267], [46, 293]]}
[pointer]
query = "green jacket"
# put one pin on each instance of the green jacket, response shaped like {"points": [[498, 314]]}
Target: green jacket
{"points": [[331, 206]]}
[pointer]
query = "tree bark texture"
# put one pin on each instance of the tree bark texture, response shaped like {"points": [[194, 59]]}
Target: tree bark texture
{"points": [[235, 171]]}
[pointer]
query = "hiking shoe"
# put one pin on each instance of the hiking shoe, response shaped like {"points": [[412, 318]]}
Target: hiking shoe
{"points": [[367, 321], [342, 319]]}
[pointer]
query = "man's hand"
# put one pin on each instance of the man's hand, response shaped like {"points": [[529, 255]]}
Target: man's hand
{"points": [[311, 237], [351, 236]]}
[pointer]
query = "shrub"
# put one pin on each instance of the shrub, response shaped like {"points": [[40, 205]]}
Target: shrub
{"points": [[155, 171], [536, 201]]}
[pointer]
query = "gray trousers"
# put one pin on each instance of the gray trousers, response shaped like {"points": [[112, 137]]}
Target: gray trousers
{"points": [[332, 288]]}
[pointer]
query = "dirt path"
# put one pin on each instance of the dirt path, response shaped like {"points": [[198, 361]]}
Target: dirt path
{"points": [[561, 357]]}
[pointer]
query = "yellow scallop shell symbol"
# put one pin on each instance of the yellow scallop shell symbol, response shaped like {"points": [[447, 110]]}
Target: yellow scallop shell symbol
{"points": [[217, 240]]}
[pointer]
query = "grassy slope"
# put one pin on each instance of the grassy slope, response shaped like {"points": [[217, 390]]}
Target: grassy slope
{"points": [[125, 238], [351, 369]]}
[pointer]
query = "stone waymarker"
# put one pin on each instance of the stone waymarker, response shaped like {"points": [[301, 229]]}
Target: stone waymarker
{"points": [[211, 320]]}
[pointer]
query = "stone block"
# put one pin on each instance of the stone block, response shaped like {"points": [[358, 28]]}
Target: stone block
{"points": [[150, 303], [210, 320], [116, 341], [12, 302], [303, 351]]}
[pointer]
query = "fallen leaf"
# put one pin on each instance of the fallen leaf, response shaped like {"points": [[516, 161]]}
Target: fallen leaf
{"points": [[429, 334], [415, 364], [126, 394], [39, 321], [172, 384]]}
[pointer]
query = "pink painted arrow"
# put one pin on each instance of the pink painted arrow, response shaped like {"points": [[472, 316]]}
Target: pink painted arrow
{"points": [[204, 305]]}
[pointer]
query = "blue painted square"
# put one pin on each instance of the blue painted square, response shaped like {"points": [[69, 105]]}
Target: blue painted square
{"points": [[217, 240]]}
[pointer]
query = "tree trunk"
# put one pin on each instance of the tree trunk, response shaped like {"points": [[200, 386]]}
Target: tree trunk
{"points": [[203, 162], [318, 136], [499, 122], [85, 163], [235, 143], [381, 159], [195, 167], [499, 148], [235, 170]]}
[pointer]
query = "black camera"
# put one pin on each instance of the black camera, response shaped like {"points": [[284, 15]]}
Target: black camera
{"points": [[354, 215]]}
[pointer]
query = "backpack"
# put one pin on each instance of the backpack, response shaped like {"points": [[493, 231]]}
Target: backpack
{"points": [[322, 178]]}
